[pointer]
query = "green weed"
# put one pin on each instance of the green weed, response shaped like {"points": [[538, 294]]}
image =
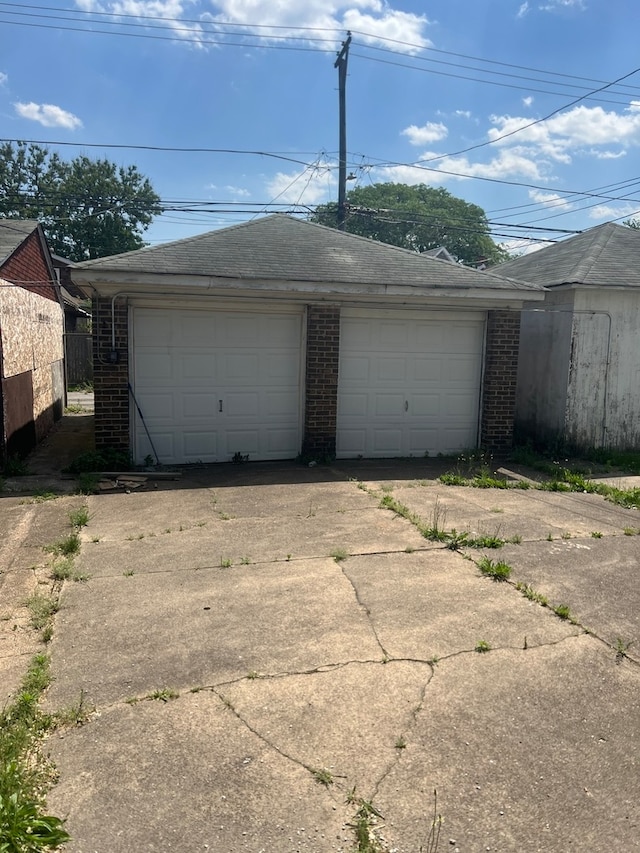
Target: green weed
{"points": [[497, 571], [482, 646], [79, 517]]}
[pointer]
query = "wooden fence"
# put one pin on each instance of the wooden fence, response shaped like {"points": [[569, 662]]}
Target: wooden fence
{"points": [[78, 356]]}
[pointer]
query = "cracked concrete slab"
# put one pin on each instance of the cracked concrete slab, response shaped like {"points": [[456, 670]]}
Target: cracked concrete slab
{"points": [[194, 778], [427, 606], [530, 514], [598, 579], [195, 628], [199, 544], [527, 751], [287, 667]]}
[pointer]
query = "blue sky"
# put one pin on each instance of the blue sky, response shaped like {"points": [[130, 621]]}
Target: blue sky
{"points": [[427, 81]]}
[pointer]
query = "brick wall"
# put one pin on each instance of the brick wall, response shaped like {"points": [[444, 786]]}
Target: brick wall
{"points": [[28, 266], [321, 398], [111, 380], [500, 376]]}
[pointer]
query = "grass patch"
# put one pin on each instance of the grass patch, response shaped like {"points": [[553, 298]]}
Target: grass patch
{"points": [[41, 609], [322, 776], [562, 610], [25, 774], [67, 547], [79, 517], [497, 571], [339, 554], [531, 595], [109, 459]]}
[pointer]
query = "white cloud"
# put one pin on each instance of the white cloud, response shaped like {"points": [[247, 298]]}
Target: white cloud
{"points": [[430, 132], [508, 164], [550, 200], [557, 5], [237, 192], [313, 186], [562, 136], [527, 101], [3, 78], [610, 211], [463, 113], [48, 115], [522, 11], [607, 155], [377, 20]]}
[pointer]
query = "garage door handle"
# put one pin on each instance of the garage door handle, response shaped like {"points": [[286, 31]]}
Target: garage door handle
{"points": [[406, 405], [219, 405]]}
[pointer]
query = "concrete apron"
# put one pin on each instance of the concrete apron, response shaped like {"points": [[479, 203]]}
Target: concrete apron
{"points": [[320, 651]]}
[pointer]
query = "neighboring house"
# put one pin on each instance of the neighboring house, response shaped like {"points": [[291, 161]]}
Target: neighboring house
{"points": [[579, 373], [279, 337], [31, 333], [78, 348], [440, 253]]}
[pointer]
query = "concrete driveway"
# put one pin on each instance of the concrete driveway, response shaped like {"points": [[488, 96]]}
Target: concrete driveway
{"points": [[270, 652]]}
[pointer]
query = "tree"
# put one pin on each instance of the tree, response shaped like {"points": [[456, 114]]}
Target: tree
{"points": [[87, 208], [632, 223], [418, 218]]}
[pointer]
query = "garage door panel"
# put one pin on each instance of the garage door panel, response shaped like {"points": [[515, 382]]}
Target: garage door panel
{"points": [[156, 366], [462, 370], [355, 369], [427, 369], [158, 406], [196, 366], [391, 369], [389, 405], [246, 363], [387, 442], [200, 446], [281, 404], [408, 384], [425, 405], [200, 405]]}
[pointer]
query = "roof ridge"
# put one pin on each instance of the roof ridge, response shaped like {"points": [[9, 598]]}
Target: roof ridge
{"points": [[597, 247]]}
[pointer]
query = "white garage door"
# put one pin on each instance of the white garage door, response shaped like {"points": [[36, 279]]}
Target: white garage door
{"points": [[408, 385], [213, 384]]}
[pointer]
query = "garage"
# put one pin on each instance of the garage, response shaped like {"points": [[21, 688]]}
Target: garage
{"points": [[211, 385], [408, 384]]}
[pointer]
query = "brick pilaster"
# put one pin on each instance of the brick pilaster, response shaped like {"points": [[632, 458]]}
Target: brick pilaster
{"points": [[500, 377], [321, 397], [110, 379]]}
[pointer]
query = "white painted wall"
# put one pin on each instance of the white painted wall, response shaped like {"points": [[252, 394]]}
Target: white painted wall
{"points": [[603, 401]]}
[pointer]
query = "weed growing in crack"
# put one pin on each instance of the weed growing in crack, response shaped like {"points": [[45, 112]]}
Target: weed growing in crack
{"points": [[364, 822], [225, 563], [252, 675], [482, 646], [595, 534], [41, 610], [322, 776], [562, 610], [163, 695], [497, 571], [67, 547], [530, 594], [79, 517], [339, 554], [433, 839], [128, 573], [25, 773], [75, 715], [400, 743], [621, 649]]}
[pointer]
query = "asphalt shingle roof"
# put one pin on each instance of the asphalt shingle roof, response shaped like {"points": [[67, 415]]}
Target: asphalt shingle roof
{"points": [[607, 255], [13, 232], [282, 248]]}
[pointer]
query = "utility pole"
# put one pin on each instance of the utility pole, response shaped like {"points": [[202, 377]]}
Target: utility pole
{"points": [[341, 65]]}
